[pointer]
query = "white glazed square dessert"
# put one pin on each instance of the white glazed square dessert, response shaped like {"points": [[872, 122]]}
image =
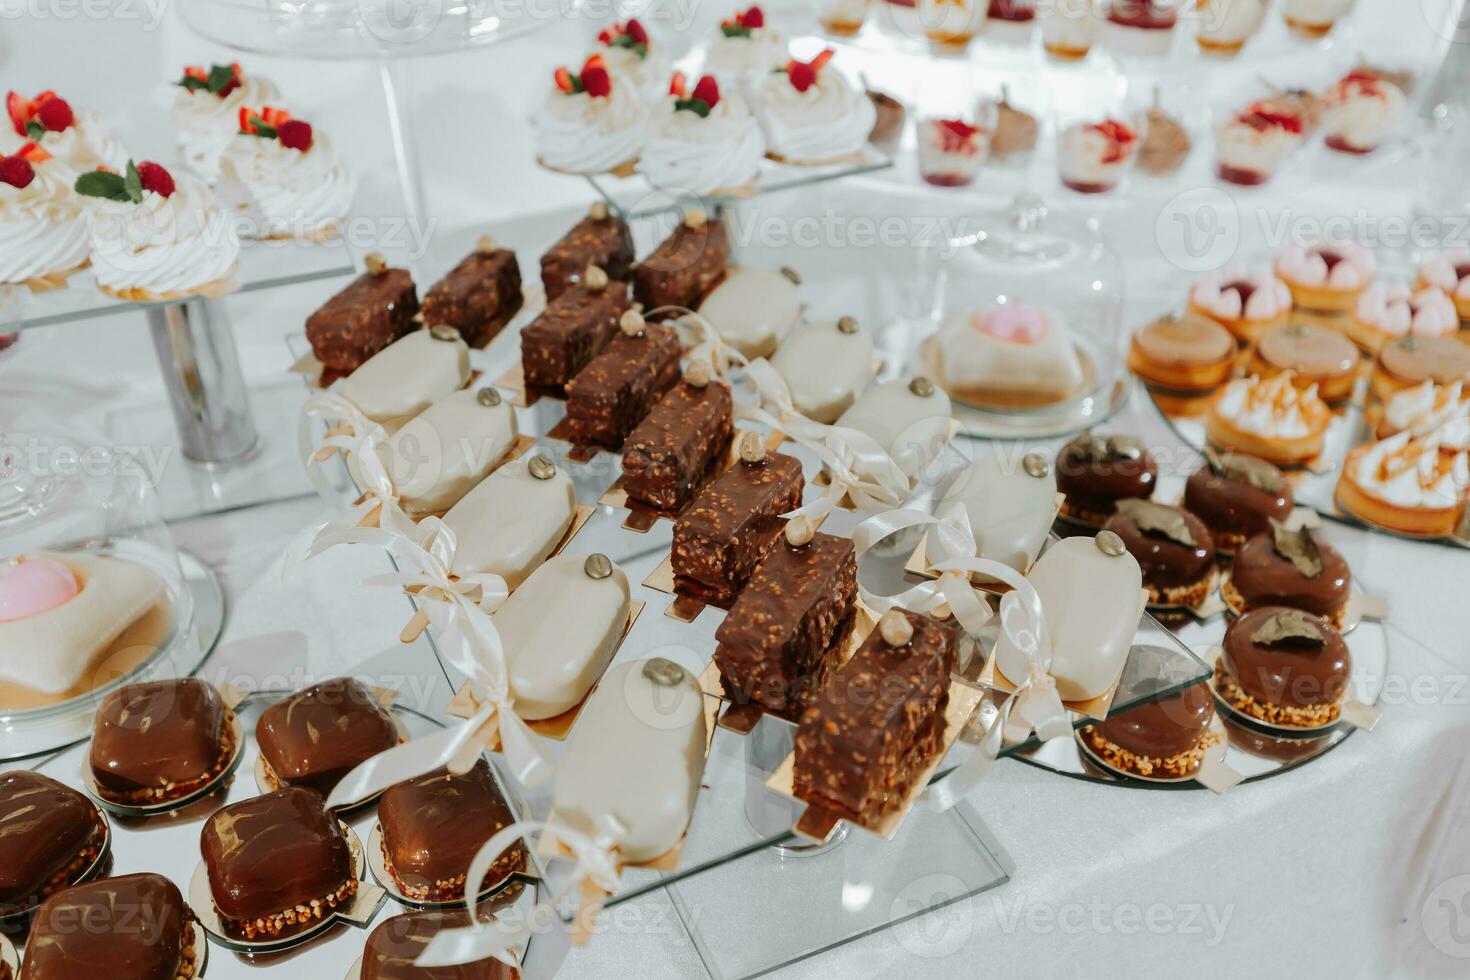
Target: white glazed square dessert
{"points": [[1010, 504], [753, 309], [909, 418], [1013, 349], [59, 612]]}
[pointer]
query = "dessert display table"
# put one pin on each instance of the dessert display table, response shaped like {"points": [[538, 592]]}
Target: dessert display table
{"points": [[1352, 861]]}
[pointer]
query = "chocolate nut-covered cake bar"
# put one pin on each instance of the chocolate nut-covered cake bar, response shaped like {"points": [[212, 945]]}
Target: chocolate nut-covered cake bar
{"points": [[433, 825], [685, 266], [613, 393], [786, 631], [374, 310], [478, 296], [878, 721], [573, 329], [600, 239], [724, 534], [670, 450], [275, 862]]}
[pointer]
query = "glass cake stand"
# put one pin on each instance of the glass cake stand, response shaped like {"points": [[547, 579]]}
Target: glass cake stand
{"points": [[209, 411]]}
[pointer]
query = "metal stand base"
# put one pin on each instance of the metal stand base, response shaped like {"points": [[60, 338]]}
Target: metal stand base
{"points": [[201, 372]]}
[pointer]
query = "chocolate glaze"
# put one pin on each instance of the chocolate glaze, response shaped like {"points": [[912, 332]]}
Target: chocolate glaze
{"points": [[43, 827], [433, 824], [1167, 727], [782, 635], [315, 737], [153, 735], [273, 852], [1293, 673], [366, 316], [397, 942], [1265, 578], [1094, 475], [1233, 507], [1167, 563], [130, 928]]}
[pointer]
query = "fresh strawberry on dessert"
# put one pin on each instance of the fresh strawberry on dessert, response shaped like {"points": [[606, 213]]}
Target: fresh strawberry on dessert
{"points": [[73, 136], [594, 120], [285, 176], [811, 113], [219, 80], [1092, 157], [951, 151]]}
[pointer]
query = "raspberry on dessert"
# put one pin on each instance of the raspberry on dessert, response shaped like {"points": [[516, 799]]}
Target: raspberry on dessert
{"points": [[752, 18], [155, 178], [803, 76], [16, 171], [295, 134], [635, 30], [55, 114]]}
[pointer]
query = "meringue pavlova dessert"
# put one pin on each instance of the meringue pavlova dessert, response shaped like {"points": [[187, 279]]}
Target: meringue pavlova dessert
{"points": [[285, 176], [702, 141], [811, 114], [745, 47], [629, 52], [592, 123], [207, 108], [43, 231], [156, 238], [76, 137]]}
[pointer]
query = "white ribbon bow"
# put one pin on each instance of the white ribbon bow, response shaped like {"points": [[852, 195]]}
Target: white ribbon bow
{"points": [[360, 447], [595, 862], [707, 343], [1035, 703], [458, 609], [857, 467]]}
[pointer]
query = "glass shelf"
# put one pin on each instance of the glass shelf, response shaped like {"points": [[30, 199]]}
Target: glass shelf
{"points": [[633, 197], [263, 265]]}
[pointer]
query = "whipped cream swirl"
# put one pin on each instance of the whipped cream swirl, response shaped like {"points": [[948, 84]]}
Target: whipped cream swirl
{"points": [[43, 227], [729, 58], [827, 122], [164, 246], [648, 75], [1219, 294], [700, 155], [205, 124], [288, 193], [581, 134]]}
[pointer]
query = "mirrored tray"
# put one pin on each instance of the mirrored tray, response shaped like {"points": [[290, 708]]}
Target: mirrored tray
{"points": [[1253, 751]]}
